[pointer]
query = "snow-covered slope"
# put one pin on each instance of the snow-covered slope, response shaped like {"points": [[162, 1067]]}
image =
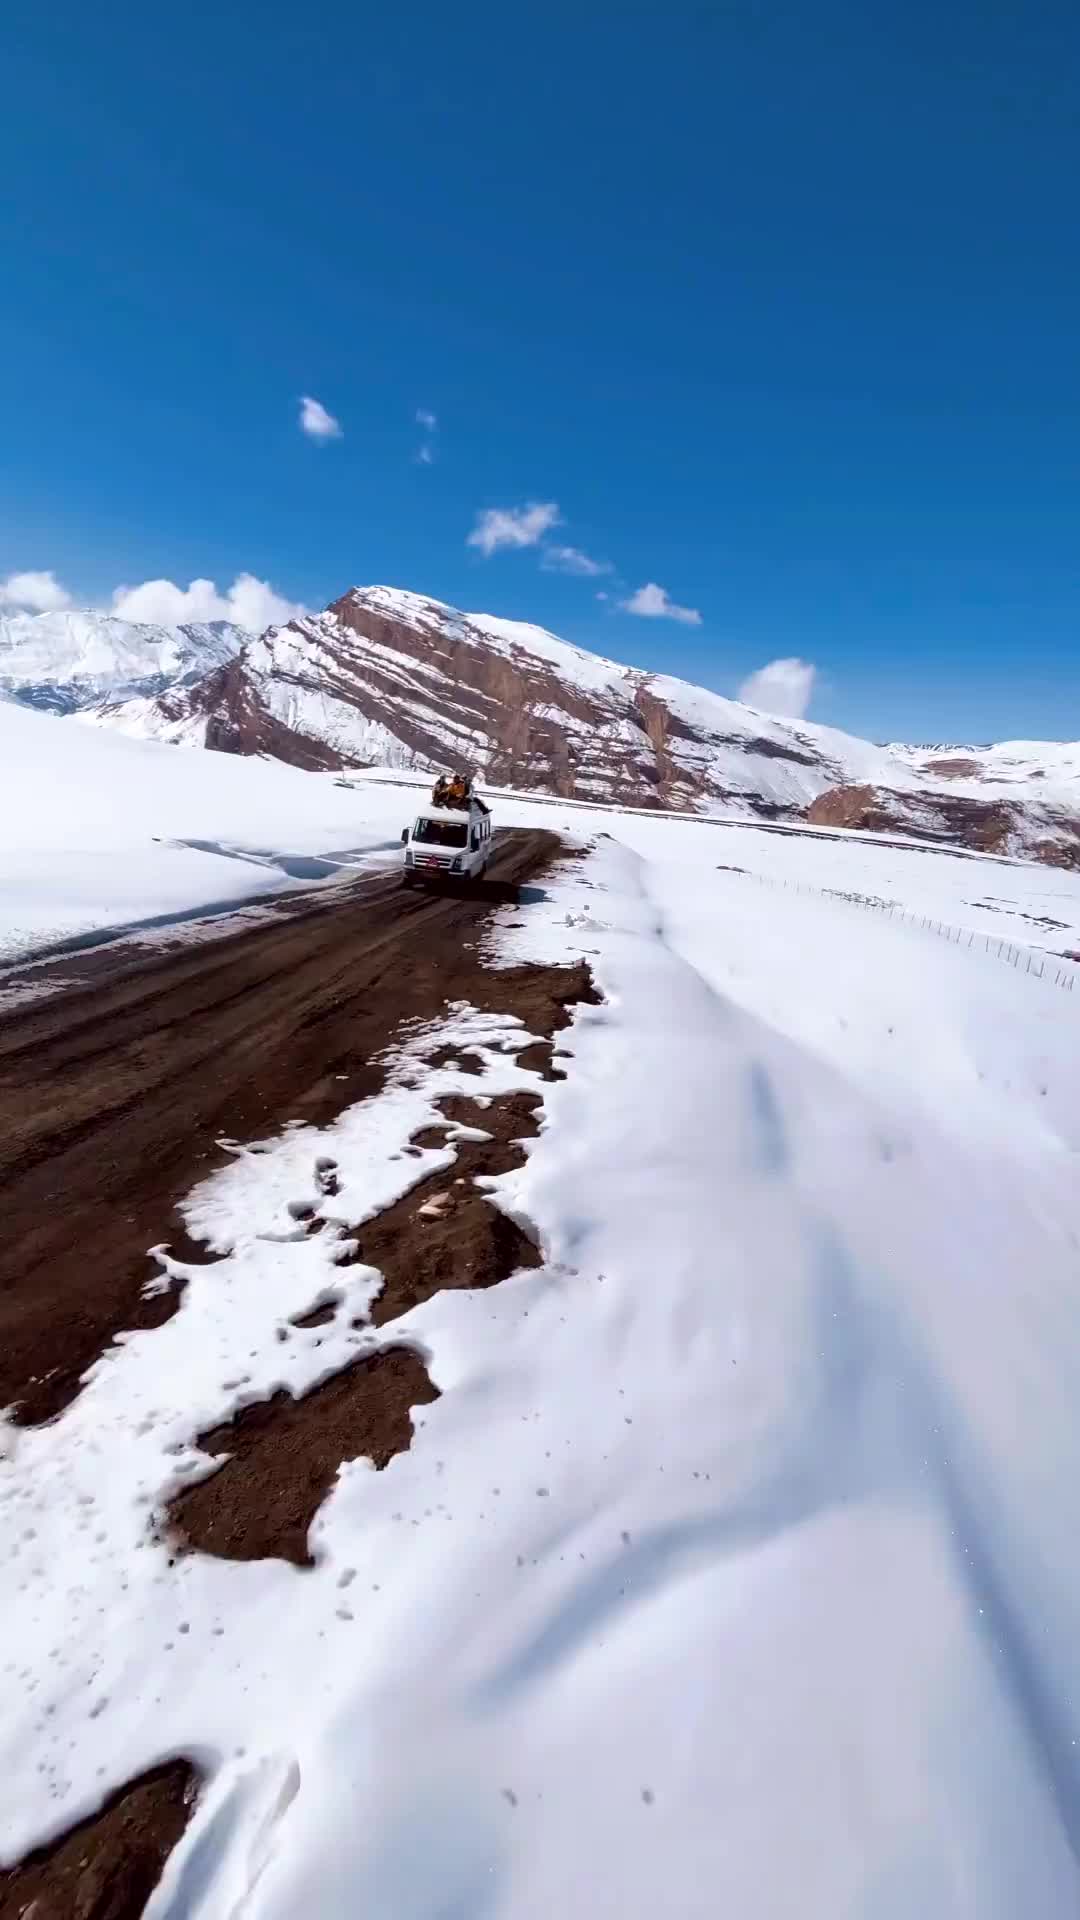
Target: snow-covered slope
{"points": [[1007, 763], [98, 831], [62, 662], [735, 1570]]}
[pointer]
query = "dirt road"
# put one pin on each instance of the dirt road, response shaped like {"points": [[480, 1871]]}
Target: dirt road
{"points": [[114, 1096]]}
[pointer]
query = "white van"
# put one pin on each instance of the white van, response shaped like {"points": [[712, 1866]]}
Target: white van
{"points": [[447, 843]]}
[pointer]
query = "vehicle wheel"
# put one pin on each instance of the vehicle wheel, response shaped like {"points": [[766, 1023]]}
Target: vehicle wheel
{"points": [[407, 880]]}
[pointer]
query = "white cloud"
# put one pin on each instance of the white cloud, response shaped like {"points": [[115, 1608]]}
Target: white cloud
{"points": [[425, 456], [426, 419], [603, 596], [316, 422], [652, 603], [513, 526], [34, 592], [783, 687], [248, 603], [572, 560]]}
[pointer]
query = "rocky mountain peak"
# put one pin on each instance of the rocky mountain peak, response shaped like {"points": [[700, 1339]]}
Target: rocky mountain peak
{"points": [[389, 677]]}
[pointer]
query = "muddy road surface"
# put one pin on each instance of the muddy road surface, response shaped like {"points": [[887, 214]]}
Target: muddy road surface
{"points": [[116, 1093]]}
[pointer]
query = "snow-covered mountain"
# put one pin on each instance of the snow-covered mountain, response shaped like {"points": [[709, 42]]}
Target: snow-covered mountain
{"points": [[1007, 763], [391, 678], [64, 662]]}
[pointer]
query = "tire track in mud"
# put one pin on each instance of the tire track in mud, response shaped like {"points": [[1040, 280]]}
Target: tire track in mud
{"points": [[115, 1097]]}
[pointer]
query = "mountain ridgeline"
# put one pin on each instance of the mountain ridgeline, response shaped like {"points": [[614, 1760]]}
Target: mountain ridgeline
{"points": [[385, 677]]}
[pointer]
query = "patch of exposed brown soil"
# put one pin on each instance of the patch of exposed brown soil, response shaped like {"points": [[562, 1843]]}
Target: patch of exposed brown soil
{"points": [[507, 1119], [954, 767], [519, 1115], [284, 1455], [445, 1232], [107, 1867], [457, 1057], [538, 1058], [543, 997], [114, 1097]]}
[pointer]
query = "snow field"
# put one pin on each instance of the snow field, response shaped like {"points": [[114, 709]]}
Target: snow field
{"points": [[102, 831], [734, 1571]]}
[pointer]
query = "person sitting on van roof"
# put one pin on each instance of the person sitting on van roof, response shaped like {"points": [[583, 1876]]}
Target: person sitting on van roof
{"points": [[451, 790]]}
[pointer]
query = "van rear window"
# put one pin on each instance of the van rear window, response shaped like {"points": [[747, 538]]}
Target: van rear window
{"points": [[441, 833]]}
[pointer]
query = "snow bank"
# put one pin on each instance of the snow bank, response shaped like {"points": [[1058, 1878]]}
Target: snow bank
{"points": [[733, 1572], [98, 830]]}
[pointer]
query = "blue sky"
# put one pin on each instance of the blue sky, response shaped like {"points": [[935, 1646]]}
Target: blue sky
{"points": [[779, 305]]}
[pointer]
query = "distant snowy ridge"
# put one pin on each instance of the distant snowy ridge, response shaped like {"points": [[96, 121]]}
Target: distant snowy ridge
{"points": [[66, 661]]}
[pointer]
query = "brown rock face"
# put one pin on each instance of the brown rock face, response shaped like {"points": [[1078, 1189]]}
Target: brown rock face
{"points": [[986, 826], [513, 707], [860, 807], [386, 678], [1056, 853]]}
